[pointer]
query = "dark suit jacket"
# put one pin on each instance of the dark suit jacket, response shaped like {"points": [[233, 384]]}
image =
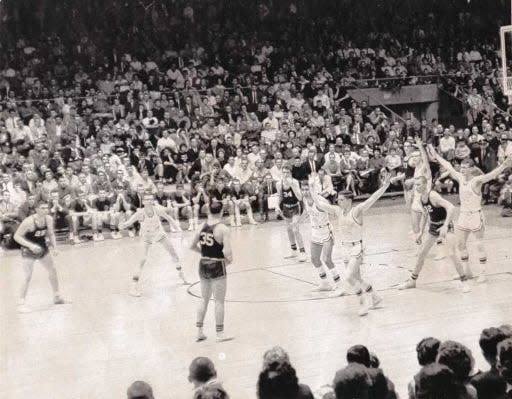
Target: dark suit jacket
{"points": [[308, 167]]}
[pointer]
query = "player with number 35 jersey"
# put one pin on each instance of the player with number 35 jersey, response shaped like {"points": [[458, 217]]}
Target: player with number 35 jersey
{"points": [[213, 243]]}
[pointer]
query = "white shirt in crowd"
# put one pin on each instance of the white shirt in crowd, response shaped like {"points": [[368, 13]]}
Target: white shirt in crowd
{"points": [[446, 143], [274, 122], [243, 175]]}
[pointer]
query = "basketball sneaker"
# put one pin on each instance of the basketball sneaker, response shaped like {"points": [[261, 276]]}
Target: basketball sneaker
{"points": [[302, 256], [182, 276], [363, 306], [464, 287], [323, 286], [293, 254], [410, 283], [482, 278], [58, 300], [22, 306], [222, 337], [135, 290], [200, 336], [376, 300]]}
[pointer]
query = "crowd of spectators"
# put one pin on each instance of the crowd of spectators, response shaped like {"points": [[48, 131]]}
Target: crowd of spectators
{"points": [[90, 122], [446, 372]]}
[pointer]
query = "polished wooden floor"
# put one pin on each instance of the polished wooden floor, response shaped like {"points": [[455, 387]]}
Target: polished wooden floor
{"points": [[95, 347]]}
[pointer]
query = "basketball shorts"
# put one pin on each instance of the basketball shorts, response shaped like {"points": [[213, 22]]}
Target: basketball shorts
{"points": [[435, 228], [351, 250], [210, 269], [153, 237], [470, 221], [321, 235], [289, 211]]}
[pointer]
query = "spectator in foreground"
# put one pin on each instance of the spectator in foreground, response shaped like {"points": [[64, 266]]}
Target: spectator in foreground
{"points": [[505, 364], [278, 380], [210, 392], [140, 390], [426, 352], [459, 359], [490, 384], [202, 372], [436, 381], [352, 382]]}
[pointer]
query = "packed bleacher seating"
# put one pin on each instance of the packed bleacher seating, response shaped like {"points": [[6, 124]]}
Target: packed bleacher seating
{"points": [[98, 107]]}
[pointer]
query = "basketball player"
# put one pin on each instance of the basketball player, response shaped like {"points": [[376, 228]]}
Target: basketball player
{"points": [[471, 217], [440, 215], [214, 245], [351, 232], [32, 235], [182, 206], [152, 232], [419, 161], [322, 240], [290, 204]]}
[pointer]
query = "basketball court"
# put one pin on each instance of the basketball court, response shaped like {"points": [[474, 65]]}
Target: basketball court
{"points": [[106, 339]]}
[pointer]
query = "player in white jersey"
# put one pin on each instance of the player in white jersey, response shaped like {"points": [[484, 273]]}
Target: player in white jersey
{"points": [[471, 218], [418, 160], [152, 232], [350, 221], [322, 240]]}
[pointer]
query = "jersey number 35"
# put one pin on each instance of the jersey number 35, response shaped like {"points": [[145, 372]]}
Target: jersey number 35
{"points": [[206, 239]]}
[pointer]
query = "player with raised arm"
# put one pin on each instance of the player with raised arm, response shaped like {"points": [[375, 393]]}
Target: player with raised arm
{"points": [[290, 203], [418, 165], [32, 235], [152, 232], [471, 217], [214, 244], [440, 213], [322, 239], [350, 219]]}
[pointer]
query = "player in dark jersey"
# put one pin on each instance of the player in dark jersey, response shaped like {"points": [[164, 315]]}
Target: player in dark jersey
{"points": [[181, 205], [440, 216], [200, 201], [213, 243], [220, 193], [31, 235], [240, 199], [102, 206], [291, 197], [81, 215]]}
